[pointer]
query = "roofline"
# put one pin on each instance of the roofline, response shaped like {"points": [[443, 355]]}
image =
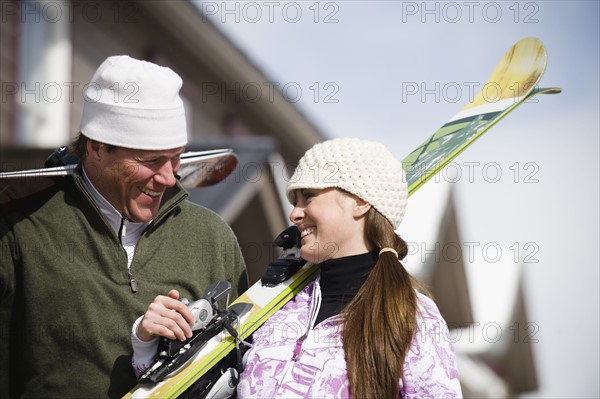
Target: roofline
{"points": [[184, 20]]}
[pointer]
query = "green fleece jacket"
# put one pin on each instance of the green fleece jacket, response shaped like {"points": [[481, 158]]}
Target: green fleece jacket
{"points": [[67, 306]]}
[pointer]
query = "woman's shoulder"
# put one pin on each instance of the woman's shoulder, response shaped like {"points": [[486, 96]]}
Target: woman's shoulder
{"points": [[427, 308]]}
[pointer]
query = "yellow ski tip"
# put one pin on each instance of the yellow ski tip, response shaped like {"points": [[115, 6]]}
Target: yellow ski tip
{"points": [[515, 75]]}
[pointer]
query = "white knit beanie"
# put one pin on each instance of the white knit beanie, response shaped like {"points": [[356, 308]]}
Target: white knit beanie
{"points": [[134, 104], [361, 167]]}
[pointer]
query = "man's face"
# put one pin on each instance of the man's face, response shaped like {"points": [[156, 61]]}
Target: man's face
{"points": [[133, 181]]}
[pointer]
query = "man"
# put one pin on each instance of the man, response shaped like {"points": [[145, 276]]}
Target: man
{"points": [[82, 260]]}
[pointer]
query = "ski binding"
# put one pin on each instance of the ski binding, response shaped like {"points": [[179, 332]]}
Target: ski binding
{"points": [[289, 262], [210, 320]]}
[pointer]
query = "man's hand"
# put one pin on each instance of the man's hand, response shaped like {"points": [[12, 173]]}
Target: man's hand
{"points": [[167, 317]]}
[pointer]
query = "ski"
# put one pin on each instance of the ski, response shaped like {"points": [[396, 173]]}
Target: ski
{"points": [[516, 77], [198, 169], [514, 81]]}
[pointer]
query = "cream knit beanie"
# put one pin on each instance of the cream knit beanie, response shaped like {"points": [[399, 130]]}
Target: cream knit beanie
{"points": [[134, 104], [361, 167]]}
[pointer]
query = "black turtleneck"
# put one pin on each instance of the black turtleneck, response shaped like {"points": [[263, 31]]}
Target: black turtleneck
{"points": [[341, 279]]}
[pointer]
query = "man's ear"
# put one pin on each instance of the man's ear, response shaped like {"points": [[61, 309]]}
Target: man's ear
{"points": [[92, 149], [361, 207]]}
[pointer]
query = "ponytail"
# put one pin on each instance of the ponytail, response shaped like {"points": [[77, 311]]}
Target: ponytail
{"points": [[379, 323]]}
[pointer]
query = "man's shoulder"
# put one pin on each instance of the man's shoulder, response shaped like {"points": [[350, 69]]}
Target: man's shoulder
{"points": [[193, 213], [32, 194], [193, 209]]}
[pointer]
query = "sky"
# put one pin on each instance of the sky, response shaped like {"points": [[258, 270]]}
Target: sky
{"points": [[395, 71]]}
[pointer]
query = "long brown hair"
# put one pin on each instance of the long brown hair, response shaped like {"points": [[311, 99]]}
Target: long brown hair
{"points": [[379, 323]]}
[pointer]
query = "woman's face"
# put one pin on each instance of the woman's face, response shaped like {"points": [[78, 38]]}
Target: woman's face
{"points": [[331, 223]]}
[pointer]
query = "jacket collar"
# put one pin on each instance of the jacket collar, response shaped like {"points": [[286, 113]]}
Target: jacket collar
{"points": [[171, 198]]}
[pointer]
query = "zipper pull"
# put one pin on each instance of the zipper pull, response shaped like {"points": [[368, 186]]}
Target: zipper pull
{"points": [[298, 348], [133, 282]]}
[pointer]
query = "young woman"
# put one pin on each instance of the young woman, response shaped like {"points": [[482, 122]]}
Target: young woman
{"points": [[362, 329]]}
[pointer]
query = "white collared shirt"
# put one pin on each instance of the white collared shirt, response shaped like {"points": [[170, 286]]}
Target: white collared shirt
{"points": [[127, 231]]}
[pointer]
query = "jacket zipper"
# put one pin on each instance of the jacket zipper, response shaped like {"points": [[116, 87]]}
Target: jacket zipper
{"points": [[122, 229], [122, 232], [315, 305]]}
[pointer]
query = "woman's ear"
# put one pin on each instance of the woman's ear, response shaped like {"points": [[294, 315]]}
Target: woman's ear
{"points": [[360, 208]]}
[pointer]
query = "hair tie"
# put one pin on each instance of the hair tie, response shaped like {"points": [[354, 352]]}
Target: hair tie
{"points": [[388, 249]]}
